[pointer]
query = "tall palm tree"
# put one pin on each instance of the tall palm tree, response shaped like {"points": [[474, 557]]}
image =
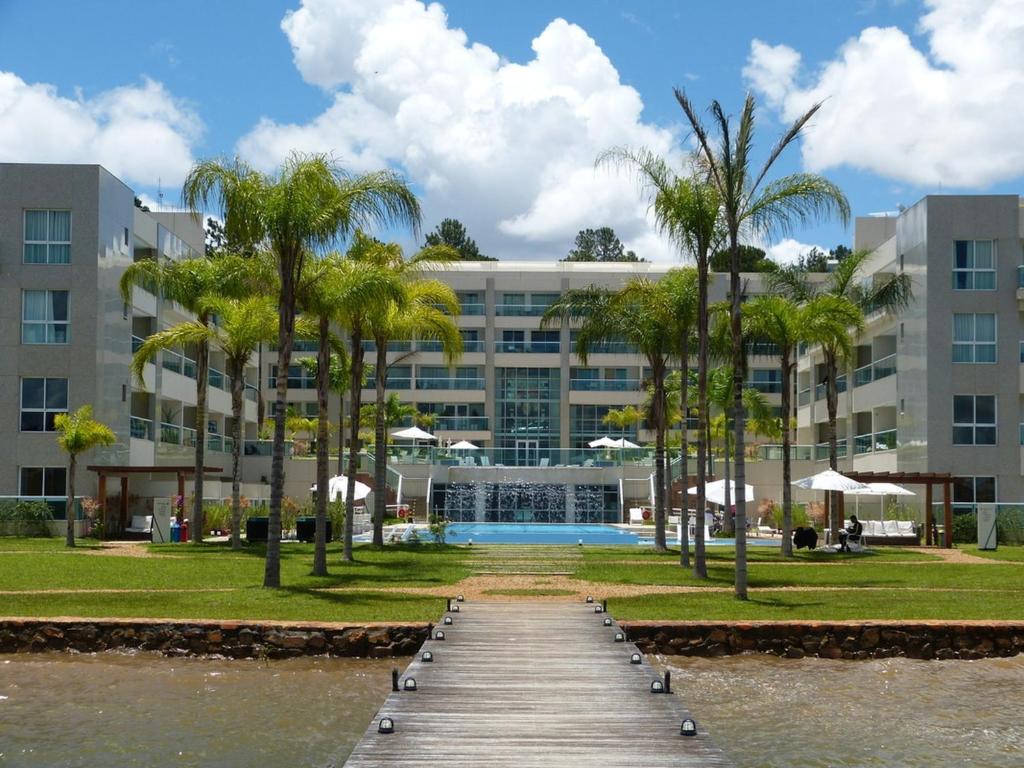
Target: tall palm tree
{"points": [[188, 282], [78, 432], [687, 209], [395, 413], [337, 381], [307, 206], [640, 314], [890, 294], [425, 312], [752, 206], [242, 325]]}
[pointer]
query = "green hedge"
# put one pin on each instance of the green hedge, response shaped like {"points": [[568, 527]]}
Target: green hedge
{"points": [[1009, 526], [25, 518]]}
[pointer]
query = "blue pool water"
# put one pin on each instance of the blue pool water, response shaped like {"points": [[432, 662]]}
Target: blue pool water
{"points": [[562, 533]]}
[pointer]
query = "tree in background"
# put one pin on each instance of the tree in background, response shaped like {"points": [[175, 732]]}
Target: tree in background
{"points": [[752, 259], [816, 260], [601, 244], [78, 432], [452, 233]]}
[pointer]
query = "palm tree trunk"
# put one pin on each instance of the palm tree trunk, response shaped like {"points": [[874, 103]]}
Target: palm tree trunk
{"points": [[285, 339], [684, 460], [658, 374], [668, 483], [700, 568], [353, 440], [237, 390], [323, 374], [739, 423], [787, 470], [341, 431], [202, 375], [380, 452], [832, 406], [69, 514]]}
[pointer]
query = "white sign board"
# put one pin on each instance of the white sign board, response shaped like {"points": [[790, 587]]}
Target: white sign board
{"points": [[986, 526], [161, 521]]}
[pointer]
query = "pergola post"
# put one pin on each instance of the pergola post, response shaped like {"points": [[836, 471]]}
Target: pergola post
{"points": [[947, 508], [828, 517], [102, 493], [929, 516]]}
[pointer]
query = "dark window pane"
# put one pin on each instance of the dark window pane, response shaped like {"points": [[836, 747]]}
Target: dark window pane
{"points": [[57, 393], [963, 435], [31, 481], [54, 481], [963, 409], [984, 435], [985, 409], [59, 303], [962, 280], [32, 393], [985, 490], [961, 254], [32, 421], [51, 416], [963, 490]]}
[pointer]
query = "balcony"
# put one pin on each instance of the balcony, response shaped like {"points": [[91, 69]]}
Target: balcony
{"points": [[461, 423], [178, 363], [879, 369], [765, 387], [170, 433], [219, 444], [430, 345], [253, 394], [796, 452], [520, 310], [605, 385], [294, 382], [218, 379], [140, 428], [819, 390], [474, 308], [609, 348], [874, 442], [136, 343], [803, 397], [451, 382], [821, 450], [543, 347]]}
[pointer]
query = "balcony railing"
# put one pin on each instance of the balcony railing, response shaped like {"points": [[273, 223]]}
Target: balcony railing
{"points": [[461, 423], [1020, 276], [140, 428], [170, 433], [177, 362], [393, 346], [472, 308], [803, 397], [219, 444], [819, 390], [796, 452], [879, 369], [875, 442], [136, 343], [452, 382], [218, 379], [766, 387], [609, 348], [520, 310], [529, 346], [605, 385], [821, 450], [188, 437], [251, 393]]}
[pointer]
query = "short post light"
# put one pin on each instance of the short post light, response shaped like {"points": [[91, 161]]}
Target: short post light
{"points": [[427, 657], [688, 727], [620, 637], [448, 621], [590, 598], [607, 621], [657, 686], [635, 658], [598, 609], [409, 684], [386, 725], [439, 635], [460, 599]]}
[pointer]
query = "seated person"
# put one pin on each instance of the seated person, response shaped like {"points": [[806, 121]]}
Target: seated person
{"points": [[805, 537], [856, 529]]}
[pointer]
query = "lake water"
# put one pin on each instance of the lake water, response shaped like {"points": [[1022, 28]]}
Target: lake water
{"points": [[146, 710]]}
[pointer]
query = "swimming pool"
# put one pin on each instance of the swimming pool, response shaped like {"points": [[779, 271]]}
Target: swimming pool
{"points": [[564, 533]]}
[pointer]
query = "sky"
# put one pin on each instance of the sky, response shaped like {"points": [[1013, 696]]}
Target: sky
{"points": [[496, 111]]}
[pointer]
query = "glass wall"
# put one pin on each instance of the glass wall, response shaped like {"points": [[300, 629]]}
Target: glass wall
{"points": [[527, 415], [521, 502]]}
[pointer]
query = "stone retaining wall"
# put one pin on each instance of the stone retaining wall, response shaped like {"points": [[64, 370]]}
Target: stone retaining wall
{"points": [[238, 640], [853, 640]]}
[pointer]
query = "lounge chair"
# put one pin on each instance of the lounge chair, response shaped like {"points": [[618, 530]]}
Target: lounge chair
{"points": [[484, 461], [588, 463], [545, 461], [763, 530], [636, 515], [141, 527]]}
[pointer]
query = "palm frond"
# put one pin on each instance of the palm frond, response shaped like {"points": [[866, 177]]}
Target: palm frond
{"points": [[175, 337]]}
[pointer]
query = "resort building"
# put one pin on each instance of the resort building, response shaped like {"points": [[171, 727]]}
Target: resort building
{"points": [[67, 233]]}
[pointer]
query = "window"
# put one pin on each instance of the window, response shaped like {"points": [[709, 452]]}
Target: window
{"points": [[44, 317], [766, 380], [974, 419], [974, 338], [974, 490], [43, 481], [974, 265], [47, 237], [41, 401]]}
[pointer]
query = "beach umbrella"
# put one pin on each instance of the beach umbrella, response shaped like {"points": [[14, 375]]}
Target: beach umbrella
{"points": [[829, 480], [622, 443], [464, 445], [715, 492], [338, 486], [602, 442], [413, 433]]}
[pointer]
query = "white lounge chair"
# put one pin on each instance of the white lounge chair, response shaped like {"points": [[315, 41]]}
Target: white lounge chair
{"points": [[636, 515], [141, 527]]}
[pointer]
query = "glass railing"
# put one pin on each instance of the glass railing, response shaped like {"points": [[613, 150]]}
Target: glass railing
{"points": [[294, 382], [520, 310], [863, 444], [528, 346], [879, 369], [140, 428], [608, 347], [762, 349], [533, 457], [170, 433], [393, 346], [605, 385], [219, 444], [803, 397], [766, 387], [449, 383], [1020, 276], [821, 450], [177, 362], [217, 379], [461, 423], [471, 308], [819, 390], [136, 343], [796, 452], [885, 441], [252, 393], [188, 437], [264, 448]]}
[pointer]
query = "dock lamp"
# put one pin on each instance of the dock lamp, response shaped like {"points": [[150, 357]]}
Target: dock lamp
{"points": [[448, 620], [607, 621], [688, 727], [598, 609], [460, 599], [635, 659], [620, 637], [409, 684], [590, 598], [439, 635], [454, 608], [427, 657], [386, 725], [656, 686]]}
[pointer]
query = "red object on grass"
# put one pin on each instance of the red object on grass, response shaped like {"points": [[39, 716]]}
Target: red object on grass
{"points": [[647, 514], [184, 530]]}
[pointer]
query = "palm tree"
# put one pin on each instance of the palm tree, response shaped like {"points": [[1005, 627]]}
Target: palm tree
{"points": [[641, 314], [188, 282], [687, 209], [242, 325], [395, 413], [752, 206], [305, 207], [622, 419], [425, 312], [337, 382], [78, 432], [891, 294]]}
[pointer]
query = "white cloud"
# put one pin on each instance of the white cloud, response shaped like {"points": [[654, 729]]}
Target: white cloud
{"points": [[949, 115], [506, 147], [140, 133], [789, 251]]}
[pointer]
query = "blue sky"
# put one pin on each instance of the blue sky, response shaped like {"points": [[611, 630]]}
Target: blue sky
{"points": [[921, 97]]}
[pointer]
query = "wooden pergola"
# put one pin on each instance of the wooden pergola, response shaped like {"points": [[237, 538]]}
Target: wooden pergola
{"points": [[928, 480], [123, 472]]}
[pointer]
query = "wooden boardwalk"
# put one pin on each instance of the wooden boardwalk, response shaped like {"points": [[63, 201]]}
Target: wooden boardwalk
{"points": [[532, 684]]}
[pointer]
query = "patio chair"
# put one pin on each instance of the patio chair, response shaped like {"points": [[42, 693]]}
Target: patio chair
{"points": [[484, 461], [141, 527], [636, 515], [545, 461]]}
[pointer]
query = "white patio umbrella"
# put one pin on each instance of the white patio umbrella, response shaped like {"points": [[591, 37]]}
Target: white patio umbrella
{"points": [[883, 490], [715, 492], [413, 433], [464, 445], [338, 486], [829, 480], [602, 442]]}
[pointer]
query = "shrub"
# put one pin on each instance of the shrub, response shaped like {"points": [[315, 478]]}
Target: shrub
{"points": [[965, 528], [25, 518], [799, 516], [438, 529], [1010, 525]]}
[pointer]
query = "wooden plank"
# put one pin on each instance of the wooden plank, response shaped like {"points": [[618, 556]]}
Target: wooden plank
{"points": [[532, 684]]}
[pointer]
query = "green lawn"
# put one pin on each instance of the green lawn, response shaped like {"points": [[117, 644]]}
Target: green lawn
{"points": [[1010, 553], [755, 554]]}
